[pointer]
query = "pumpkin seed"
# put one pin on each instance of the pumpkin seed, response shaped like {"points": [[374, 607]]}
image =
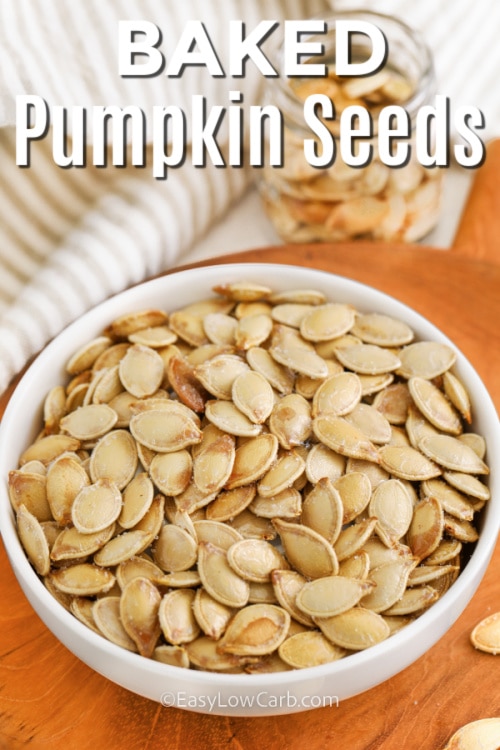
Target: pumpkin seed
{"points": [[356, 566], [286, 586], [141, 371], [219, 579], [344, 438], [277, 375], [253, 395], [307, 551], [33, 540], [425, 359], [83, 579], [355, 491], [122, 547], [252, 460], [434, 405], [216, 533], [128, 323], [393, 507], [406, 462], [426, 528], [337, 395], [286, 504], [96, 506], [229, 503], [356, 629], [413, 600], [114, 458], [177, 620], [390, 581], [309, 649], [175, 549], [86, 355], [65, 478], [486, 635], [243, 291], [331, 595], [212, 616], [106, 615], [371, 423], [137, 499], [70, 544], [322, 510], [54, 409], [452, 501], [393, 402], [483, 733], [139, 606], [368, 359], [255, 630], [228, 418], [82, 608], [212, 466], [474, 441], [453, 454], [164, 435], [323, 462], [48, 448], [174, 656], [137, 567], [287, 468], [327, 321], [218, 374], [181, 376], [382, 330], [289, 349], [171, 472], [252, 330], [468, 484], [154, 336], [255, 559], [353, 538], [290, 420]]}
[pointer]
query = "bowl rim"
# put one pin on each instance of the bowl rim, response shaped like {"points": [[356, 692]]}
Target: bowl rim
{"points": [[469, 577]]}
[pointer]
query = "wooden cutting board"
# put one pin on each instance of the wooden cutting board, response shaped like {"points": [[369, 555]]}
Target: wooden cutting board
{"points": [[49, 699]]}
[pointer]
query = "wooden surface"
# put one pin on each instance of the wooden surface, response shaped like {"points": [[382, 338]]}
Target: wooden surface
{"points": [[49, 699]]}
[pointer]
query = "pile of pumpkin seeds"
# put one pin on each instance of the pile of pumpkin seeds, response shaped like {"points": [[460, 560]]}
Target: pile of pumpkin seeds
{"points": [[257, 482]]}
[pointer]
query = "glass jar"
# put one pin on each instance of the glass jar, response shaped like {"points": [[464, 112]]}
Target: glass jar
{"points": [[339, 202]]}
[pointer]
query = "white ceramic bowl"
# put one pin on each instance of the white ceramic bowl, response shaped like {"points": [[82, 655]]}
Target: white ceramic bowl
{"points": [[236, 694]]}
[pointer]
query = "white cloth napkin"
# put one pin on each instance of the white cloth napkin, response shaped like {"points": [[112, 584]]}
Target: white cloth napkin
{"points": [[71, 237]]}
